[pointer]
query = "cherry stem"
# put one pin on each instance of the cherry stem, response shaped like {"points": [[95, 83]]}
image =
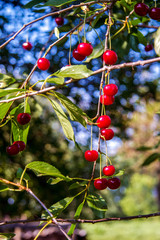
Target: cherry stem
{"points": [[78, 36], [155, 3], [70, 48], [97, 35], [85, 26], [91, 136], [106, 154], [100, 166]]}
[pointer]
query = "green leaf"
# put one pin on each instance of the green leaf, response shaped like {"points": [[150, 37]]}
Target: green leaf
{"points": [[6, 236], [77, 185], [75, 113], [56, 32], [143, 148], [6, 80], [98, 204], [44, 168], [58, 207], [57, 3], [65, 123], [20, 132], [97, 52], [119, 173], [19, 173], [75, 72], [141, 38], [56, 80], [3, 188], [157, 42], [153, 157], [54, 181], [4, 92], [4, 107], [32, 3]]}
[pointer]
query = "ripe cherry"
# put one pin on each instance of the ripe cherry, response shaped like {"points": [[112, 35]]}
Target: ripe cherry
{"points": [[154, 13], [107, 134], [109, 170], [91, 155], [59, 21], [110, 57], [101, 183], [43, 63], [27, 46], [103, 121], [23, 118], [85, 49], [21, 145], [110, 89], [13, 149], [78, 56], [114, 183], [106, 99], [141, 9], [148, 47]]}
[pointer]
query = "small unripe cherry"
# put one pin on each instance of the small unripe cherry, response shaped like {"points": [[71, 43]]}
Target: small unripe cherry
{"points": [[106, 99], [109, 170], [13, 149], [110, 57], [27, 46], [91, 155], [21, 145], [77, 55], [43, 64], [110, 89], [85, 49], [100, 183], [114, 183], [148, 47], [107, 134], [23, 118], [103, 121]]}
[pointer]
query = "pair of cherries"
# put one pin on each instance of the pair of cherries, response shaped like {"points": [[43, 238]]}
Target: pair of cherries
{"points": [[142, 9], [83, 50], [103, 183], [19, 146]]}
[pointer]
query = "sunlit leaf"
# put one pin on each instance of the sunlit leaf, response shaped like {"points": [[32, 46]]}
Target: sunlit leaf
{"points": [[3, 188], [6, 80], [4, 92], [4, 107], [6, 236], [157, 42], [98, 204], [56, 32]]}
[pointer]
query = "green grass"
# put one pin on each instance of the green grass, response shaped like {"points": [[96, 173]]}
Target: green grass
{"points": [[147, 229]]}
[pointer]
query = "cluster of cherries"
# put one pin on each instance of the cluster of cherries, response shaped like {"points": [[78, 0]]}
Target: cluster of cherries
{"points": [[142, 10], [19, 146], [103, 122]]}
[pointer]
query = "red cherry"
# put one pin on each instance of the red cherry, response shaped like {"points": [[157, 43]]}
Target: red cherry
{"points": [[91, 156], [110, 57], [148, 47], [43, 63], [85, 49], [154, 13], [13, 149], [107, 134], [110, 89], [27, 46], [103, 121], [101, 183], [23, 118], [109, 170], [106, 100], [141, 9], [59, 21], [21, 145], [114, 183], [78, 56]]}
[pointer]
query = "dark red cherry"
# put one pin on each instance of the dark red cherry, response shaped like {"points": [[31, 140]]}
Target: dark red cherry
{"points": [[13, 149], [109, 170], [91, 155], [23, 118], [110, 57], [107, 134], [154, 13], [21, 145], [101, 183], [27, 46], [43, 64], [106, 99], [59, 21], [85, 49], [141, 9], [78, 56], [114, 183], [103, 121], [148, 47], [110, 89]]}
